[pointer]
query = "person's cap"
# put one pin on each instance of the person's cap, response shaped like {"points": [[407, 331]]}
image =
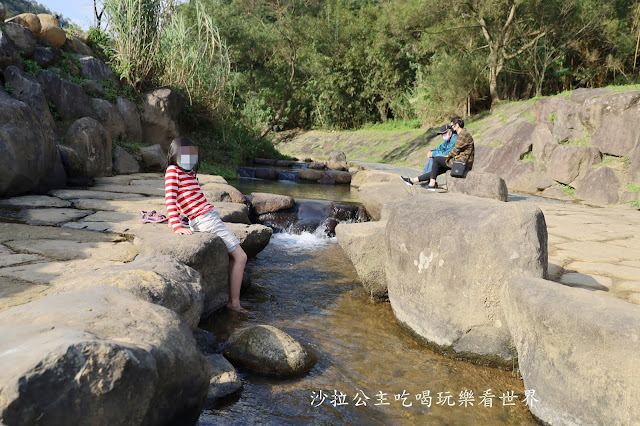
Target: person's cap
{"points": [[444, 129]]}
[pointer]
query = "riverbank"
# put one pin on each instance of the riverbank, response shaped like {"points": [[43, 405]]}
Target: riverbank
{"points": [[549, 287], [97, 308]]}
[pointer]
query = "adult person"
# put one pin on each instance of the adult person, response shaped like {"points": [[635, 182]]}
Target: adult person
{"points": [[462, 151], [441, 151]]}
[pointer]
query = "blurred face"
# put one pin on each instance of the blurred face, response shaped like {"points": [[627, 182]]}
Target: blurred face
{"points": [[455, 127], [188, 157], [447, 135]]}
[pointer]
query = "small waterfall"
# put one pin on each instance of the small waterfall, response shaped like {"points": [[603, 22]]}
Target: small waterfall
{"points": [[315, 217]]}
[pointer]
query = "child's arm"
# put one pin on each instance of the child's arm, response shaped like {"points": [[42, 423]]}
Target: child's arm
{"points": [[171, 184]]}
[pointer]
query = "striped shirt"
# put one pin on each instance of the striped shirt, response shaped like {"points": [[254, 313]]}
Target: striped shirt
{"points": [[182, 194]]}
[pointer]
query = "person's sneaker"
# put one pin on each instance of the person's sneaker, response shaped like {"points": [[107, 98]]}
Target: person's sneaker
{"points": [[432, 188], [406, 180]]}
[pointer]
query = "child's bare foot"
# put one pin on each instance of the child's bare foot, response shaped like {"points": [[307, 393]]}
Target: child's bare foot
{"points": [[237, 308]]}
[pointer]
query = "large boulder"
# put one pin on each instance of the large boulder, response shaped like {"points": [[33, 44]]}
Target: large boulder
{"points": [[157, 279], [600, 185], [221, 192], [543, 143], [310, 174], [154, 157], [516, 140], [595, 110], [444, 274], [75, 44], [263, 202], [94, 69], [99, 356], [8, 54], [131, 117], [478, 184], [268, 350], [564, 116], [70, 100], [253, 238], [634, 165], [110, 118], [43, 57], [224, 379], [123, 162], [339, 176], [29, 159], [28, 20], [160, 110], [364, 177], [204, 252], [233, 212], [577, 349], [528, 177], [337, 161], [569, 163], [91, 141], [375, 196], [364, 244], [618, 134], [22, 38], [51, 31], [73, 165], [27, 89]]}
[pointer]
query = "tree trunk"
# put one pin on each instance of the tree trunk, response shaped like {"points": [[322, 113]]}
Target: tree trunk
{"points": [[494, 70]]}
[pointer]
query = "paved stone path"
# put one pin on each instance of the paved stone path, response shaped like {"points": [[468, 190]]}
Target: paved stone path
{"points": [[45, 239]]}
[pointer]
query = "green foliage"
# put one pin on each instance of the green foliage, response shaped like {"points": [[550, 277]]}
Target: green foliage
{"points": [[101, 43], [567, 189], [529, 116], [634, 203], [193, 58], [54, 112], [131, 146], [495, 144], [393, 125], [31, 67], [528, 157], [136, 26], [552, 118], [113, 90], [632, 187], [585, 141], [8, 88]]}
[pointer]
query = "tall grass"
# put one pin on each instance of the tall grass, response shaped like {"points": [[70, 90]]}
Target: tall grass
{"points": [[193, 57], [136, 27]]}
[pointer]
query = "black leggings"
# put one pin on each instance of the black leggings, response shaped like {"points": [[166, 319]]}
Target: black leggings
{"points": [[438, 168]]}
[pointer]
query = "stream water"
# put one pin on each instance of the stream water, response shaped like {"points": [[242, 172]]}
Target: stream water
{"points": [[305, 285]]}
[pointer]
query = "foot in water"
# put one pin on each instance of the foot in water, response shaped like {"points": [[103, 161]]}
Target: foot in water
{"points": [[237, 308]]}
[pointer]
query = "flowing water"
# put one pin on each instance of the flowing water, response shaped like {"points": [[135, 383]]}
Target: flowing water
{"points": [[305, 285]]}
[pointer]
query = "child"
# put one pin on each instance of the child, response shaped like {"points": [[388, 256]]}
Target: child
{"points": [[184, 195]]}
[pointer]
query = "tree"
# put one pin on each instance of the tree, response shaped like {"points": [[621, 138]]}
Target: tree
{"points": [[507, 32]]}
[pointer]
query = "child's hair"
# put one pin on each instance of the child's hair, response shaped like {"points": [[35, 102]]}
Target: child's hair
{"points": [[174, 152]]}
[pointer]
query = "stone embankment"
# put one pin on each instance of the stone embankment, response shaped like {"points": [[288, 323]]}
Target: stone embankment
{"points": [[64, 117], [97, 309], [550, 288]]}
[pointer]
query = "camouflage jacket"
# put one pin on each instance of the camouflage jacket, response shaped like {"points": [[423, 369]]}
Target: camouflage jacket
{"points": [[463, 150]]}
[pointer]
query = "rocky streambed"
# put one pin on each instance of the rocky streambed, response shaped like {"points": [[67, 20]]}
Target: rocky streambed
{"points": [[551, 288]]}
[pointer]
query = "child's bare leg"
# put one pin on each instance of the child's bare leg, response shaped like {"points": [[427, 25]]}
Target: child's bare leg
{"points": [[237, 261]]}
